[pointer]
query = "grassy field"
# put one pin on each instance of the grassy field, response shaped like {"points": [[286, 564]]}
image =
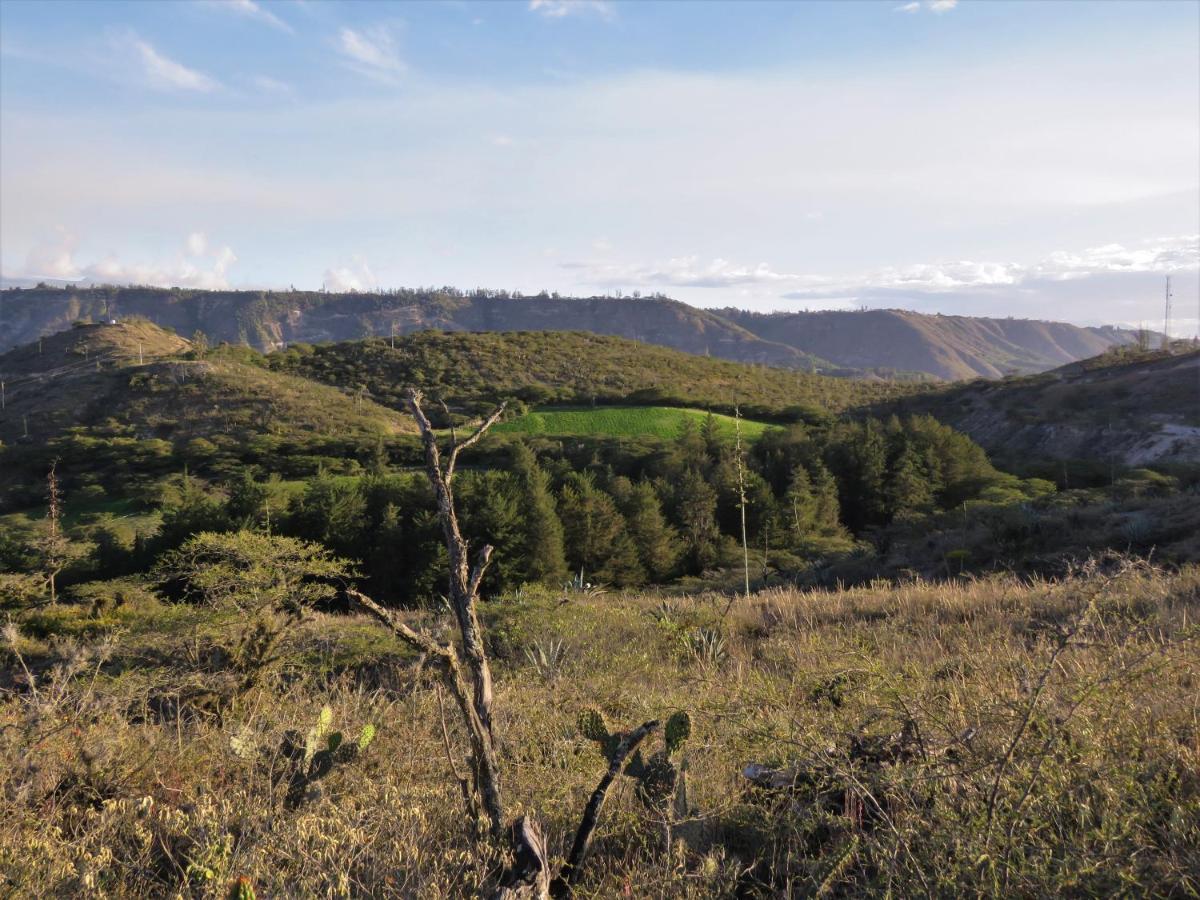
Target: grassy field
{"points": [[641, 421], [977, 738]]}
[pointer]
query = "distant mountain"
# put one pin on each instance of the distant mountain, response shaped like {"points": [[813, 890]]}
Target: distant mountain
{"points": [[1123, 408], [860, 343], [949, 347]]}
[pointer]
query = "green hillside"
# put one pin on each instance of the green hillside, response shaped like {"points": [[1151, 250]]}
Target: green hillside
{"points": [[137, 377], [635, 421], [571, 368], [1124, 408]]}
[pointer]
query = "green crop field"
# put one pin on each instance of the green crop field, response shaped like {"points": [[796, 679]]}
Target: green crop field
{"points": [[655, 421]]}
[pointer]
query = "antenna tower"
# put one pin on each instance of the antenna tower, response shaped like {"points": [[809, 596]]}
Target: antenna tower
{"points": [[1166, 344]]}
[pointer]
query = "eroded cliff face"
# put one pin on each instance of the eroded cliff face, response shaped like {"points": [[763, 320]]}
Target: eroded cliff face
{"points": [[946, 347]]}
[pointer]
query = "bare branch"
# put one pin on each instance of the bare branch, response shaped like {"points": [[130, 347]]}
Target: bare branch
{"points": [[481, 564], [422, 642], [591, 813], [485, 771], [474, 438]]}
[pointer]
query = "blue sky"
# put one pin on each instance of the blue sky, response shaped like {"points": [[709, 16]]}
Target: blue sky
{"points": [[1023, 158]]}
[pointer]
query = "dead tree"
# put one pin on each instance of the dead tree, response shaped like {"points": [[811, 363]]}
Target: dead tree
{"points": [[465, 671]]}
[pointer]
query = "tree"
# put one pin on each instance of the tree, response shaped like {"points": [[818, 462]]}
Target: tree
{"points": [[909, 492], [543, 558], [52, 548], [595, 533], [247, 503], [657, 543], [330, 512], [800, 505], [471, 688], [199, 342], [271, 580], [827, 511], [695, 506]]}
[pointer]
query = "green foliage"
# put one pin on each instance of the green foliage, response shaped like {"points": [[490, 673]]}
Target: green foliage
{"points": [[597, 539], [656, 421], [301, 764]]}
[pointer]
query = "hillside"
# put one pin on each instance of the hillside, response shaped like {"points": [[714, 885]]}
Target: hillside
{"points": [[663, 422], [949, 347], [136, 377], [844, 343], [268, 320], [1127, 408], [572, 367]]}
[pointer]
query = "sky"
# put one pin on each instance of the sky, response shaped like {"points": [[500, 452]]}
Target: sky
{"points": [[1026, 159]]}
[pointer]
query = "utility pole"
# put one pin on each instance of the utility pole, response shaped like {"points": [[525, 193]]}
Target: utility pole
{"points": [[393, 324], [139, 353], [1166, 344]]}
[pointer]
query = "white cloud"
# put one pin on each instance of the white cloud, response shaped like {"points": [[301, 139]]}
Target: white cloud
{"points": [[372, 53], [560, 9], [53, 258], [354, 277], [268, 85], [166, 74], [253, 10], [934, 6], [681, 271], [195, 266], [1160, 255], [1179, 253], [197, 243]]}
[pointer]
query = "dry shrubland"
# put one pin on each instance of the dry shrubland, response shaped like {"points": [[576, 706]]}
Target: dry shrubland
{"points": [[972, 737]]}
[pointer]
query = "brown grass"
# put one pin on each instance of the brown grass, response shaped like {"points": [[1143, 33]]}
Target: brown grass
{"points": [[1093, 779]]}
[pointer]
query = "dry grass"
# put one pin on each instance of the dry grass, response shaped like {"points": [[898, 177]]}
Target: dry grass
{"points": [[1021, 738]]}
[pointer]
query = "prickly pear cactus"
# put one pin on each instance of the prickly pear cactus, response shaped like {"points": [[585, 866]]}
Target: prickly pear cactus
{"points": [[678, 730], [659, 778], [320, 753], [592, 726]]}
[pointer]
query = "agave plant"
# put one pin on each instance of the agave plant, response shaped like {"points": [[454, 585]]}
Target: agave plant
{"points": [[547, 658]]}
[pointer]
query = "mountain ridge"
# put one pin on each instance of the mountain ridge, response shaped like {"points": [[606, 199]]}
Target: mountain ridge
{"points": [[841, 343]]}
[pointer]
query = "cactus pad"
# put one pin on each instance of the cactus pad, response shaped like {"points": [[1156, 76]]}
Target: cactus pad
{"points": [[592, 726], [678, 730]]}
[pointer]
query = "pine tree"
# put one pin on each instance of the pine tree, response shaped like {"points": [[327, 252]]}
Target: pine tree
{"points": [[331, 513], [247, 502], [800, 505], [595, 533], [657, 543], [695, 506], [909, 492], [541, 544], [827, 511]]}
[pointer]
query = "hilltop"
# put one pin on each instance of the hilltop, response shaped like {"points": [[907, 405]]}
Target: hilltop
{"points": [[569, 368], [1123, 407], [948, 347], [135, 377], [840, 343]]}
